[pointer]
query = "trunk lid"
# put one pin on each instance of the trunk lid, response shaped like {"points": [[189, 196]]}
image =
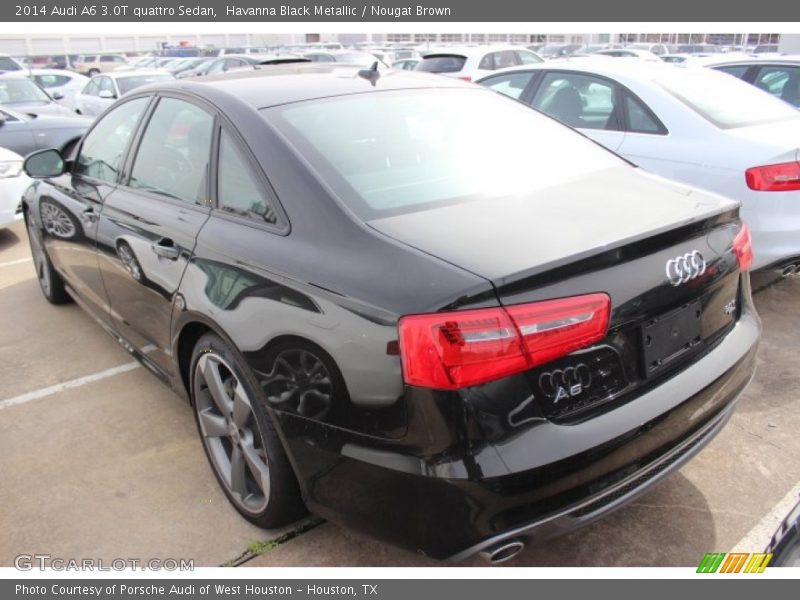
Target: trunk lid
{"points": [[620, 233]]}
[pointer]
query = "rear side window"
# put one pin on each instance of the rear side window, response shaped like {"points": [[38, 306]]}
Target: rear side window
{"points": [[91, 89], [640, 119], [527, 58], [173, 156], [451, 63], [102, 150], [498, 60], [239, 191]]}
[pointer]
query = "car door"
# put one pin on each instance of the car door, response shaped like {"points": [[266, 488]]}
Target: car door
{"points": [[647, 142], [587, 102], [149, 224], [70, 209]]}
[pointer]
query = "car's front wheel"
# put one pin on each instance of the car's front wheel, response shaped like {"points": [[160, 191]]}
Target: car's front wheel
{"points": [[50, 282], [239, 437]]}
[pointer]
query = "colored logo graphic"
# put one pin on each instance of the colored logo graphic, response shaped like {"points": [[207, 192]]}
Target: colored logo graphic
{"points": [[734, 562]]}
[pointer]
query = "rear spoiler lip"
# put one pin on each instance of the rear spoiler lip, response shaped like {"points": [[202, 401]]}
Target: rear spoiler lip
{"points": [[600, 258]]}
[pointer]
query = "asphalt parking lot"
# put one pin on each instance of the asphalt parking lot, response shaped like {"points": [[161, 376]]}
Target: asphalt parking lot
{"points": [[101, 460]]}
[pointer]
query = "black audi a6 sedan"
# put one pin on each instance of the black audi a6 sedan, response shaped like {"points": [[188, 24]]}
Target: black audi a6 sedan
{"points": [[411, 305]]}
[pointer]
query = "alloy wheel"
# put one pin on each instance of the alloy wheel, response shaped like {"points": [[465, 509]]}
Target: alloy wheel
{"points": [[231, 433], [56, 221]]}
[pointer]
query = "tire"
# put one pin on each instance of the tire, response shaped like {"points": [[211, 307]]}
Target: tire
{"points": [[239, 438], [93, 72], [50, 282]]}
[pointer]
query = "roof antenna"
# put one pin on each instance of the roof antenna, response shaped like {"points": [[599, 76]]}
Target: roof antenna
{"points": [[372, 75]]}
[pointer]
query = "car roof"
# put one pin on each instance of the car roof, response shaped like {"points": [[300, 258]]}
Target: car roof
{"points": [[273, 85]]}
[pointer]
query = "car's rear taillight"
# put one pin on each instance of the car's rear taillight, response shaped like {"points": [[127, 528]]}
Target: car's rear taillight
{"points": [[458, 349], [743, 248], [784, 177], [466, 78]]}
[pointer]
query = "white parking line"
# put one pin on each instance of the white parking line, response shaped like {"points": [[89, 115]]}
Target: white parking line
{"points": [[15, 262], [760, 535], [67, 385]]}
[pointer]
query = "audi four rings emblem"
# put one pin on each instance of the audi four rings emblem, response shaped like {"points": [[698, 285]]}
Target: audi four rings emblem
{"points": [[685, 268], [565, 383]]}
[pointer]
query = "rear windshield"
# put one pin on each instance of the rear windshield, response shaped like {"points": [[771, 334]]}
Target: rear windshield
{"points": [[725, 101], [451, 63], [393, 152]]}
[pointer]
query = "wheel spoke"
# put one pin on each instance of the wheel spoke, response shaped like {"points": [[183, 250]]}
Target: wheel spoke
{"points": [[241, 406], [258, 466], [213, 425], [238, 481], [216, 388]]}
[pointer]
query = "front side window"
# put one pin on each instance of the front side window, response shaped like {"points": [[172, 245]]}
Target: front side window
{"points": [[173, 155], [498, 60], [578, 100], [403, 151], [216, 67], [92, 88], [239, 191], [509, 84], [102, 151], [106, 85], [8, 64]]}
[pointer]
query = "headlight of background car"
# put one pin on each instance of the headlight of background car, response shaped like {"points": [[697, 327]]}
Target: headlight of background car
{"points": [[10, 168]]}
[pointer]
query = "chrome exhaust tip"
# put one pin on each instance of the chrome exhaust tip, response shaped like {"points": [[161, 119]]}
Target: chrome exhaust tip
{"points": [[790, 270], [503, 551]]}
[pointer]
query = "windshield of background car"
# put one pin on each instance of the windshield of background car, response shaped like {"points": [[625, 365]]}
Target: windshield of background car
{"points": [[725, 101], [403, 151], [126, 84], [17, 91], [450, 63]]}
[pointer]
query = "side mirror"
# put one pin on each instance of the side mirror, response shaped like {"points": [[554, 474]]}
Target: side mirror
{"points": [[107, 95], [2, 119], [58, 95], [44, 163]]}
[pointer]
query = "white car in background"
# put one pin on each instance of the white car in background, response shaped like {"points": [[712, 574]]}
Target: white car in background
{"points": [[471, 62], [696, 126], [103, 90], [61, 84], [657, 48], [13, 182]]}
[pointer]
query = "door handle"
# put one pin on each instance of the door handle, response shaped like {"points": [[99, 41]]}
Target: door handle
{"points": [[89, 216], [166, 248]]}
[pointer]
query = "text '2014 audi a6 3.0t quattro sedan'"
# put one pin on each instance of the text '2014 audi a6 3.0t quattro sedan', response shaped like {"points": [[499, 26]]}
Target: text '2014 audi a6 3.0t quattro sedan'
{"points": [[405, 303]]}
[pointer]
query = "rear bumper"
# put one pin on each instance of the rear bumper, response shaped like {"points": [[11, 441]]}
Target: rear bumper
{"points": [[539, 482]]}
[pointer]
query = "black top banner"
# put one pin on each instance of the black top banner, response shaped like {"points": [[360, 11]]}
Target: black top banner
{"points": [[317, 11]]}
